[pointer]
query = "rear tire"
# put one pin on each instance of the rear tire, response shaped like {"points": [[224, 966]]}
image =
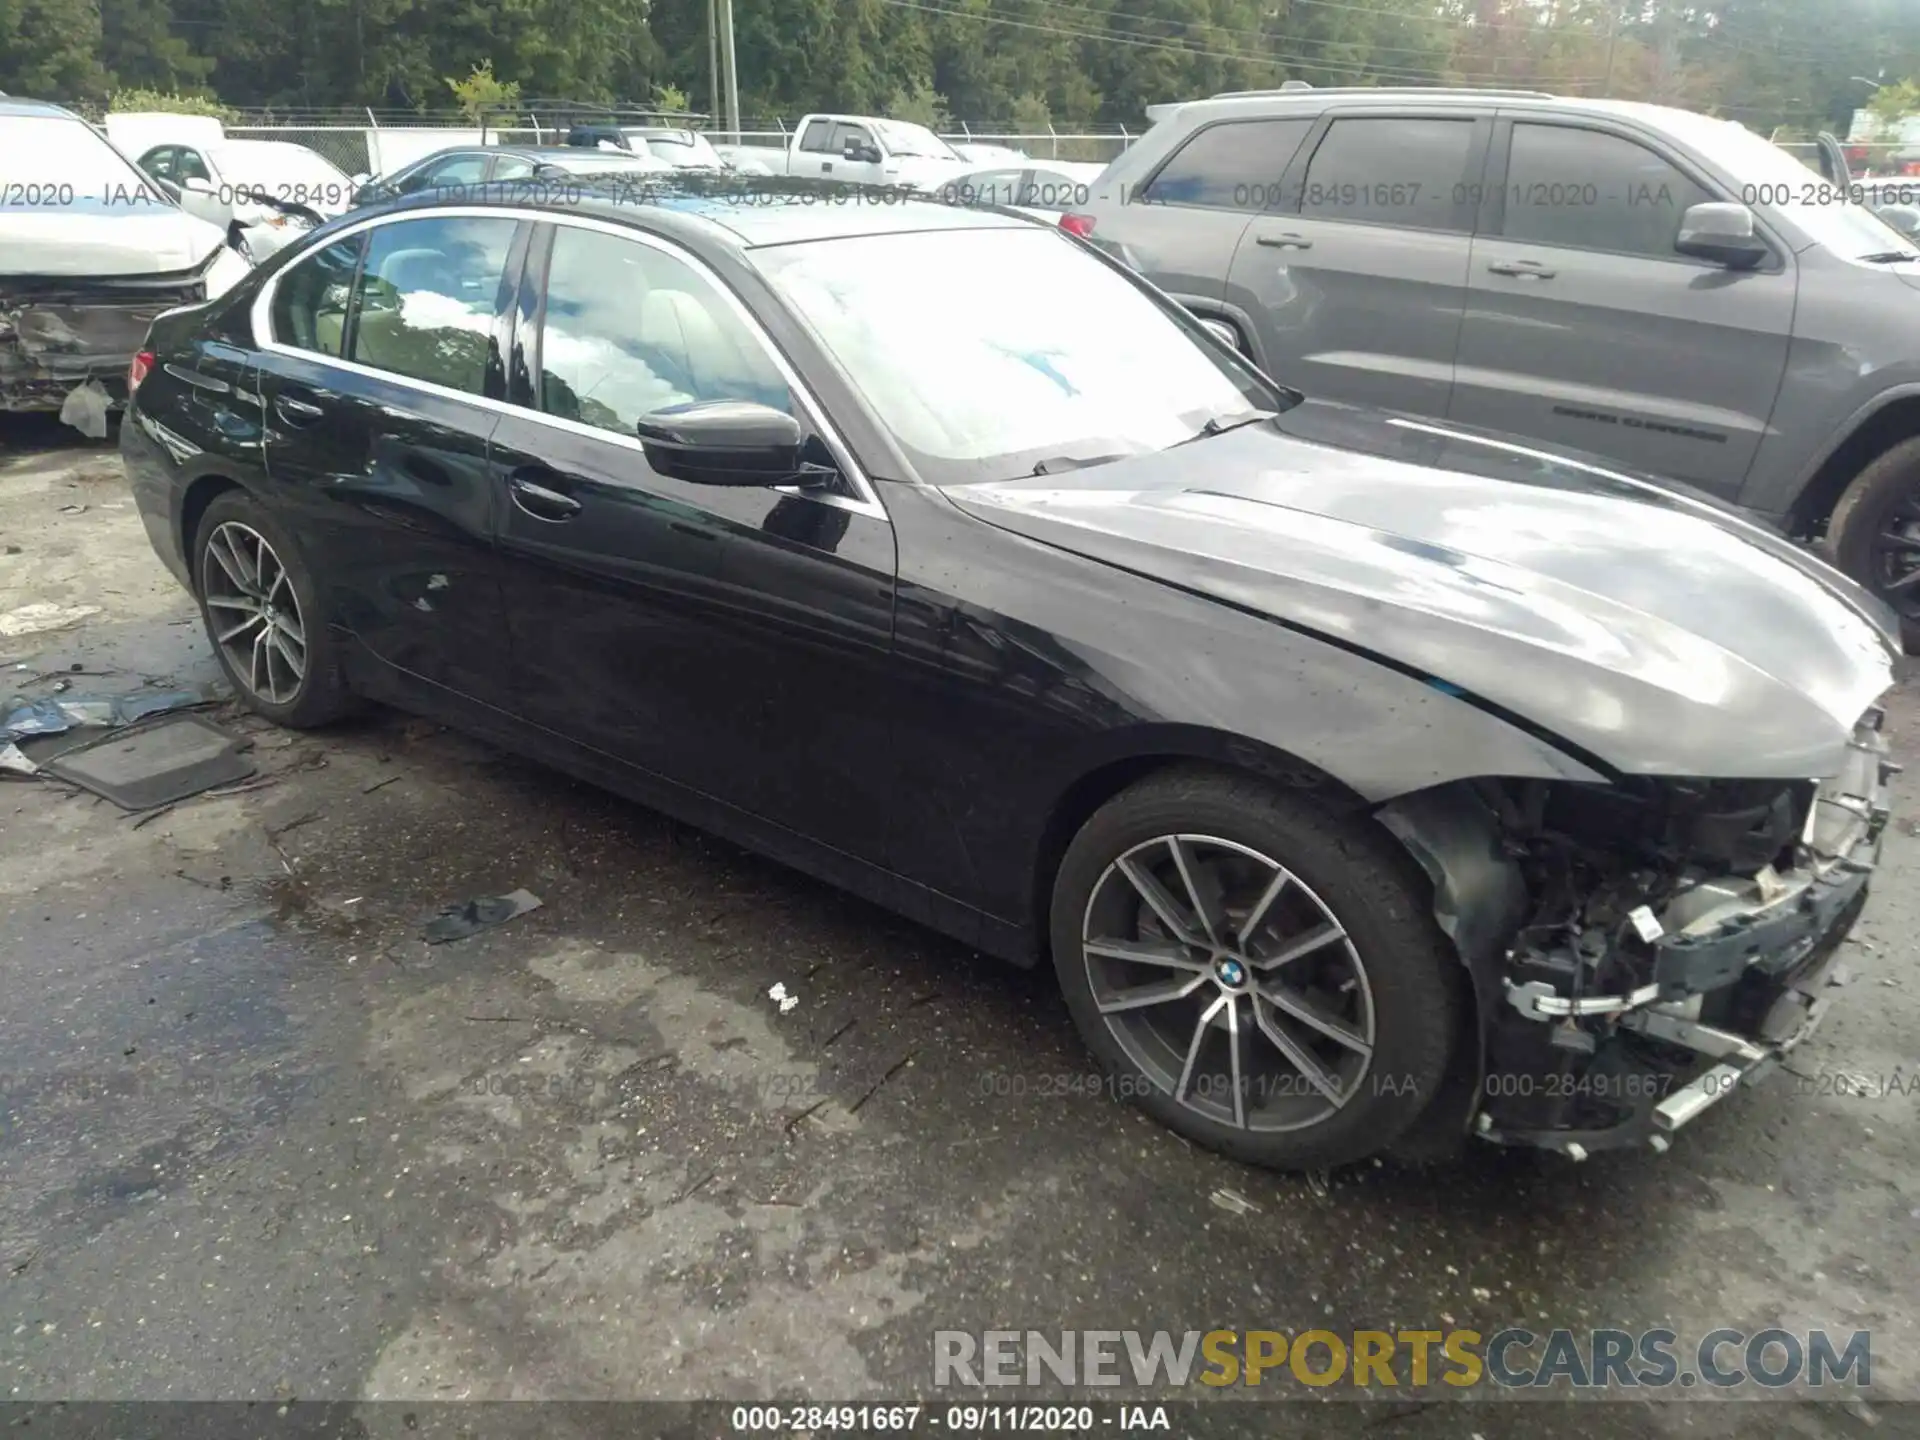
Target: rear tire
{"points": [[1874, 532], [1302, 1014], [263, 617]]}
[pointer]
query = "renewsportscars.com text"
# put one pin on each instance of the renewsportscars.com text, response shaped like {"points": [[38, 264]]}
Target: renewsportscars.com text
{"points": [[1512, 1358]]}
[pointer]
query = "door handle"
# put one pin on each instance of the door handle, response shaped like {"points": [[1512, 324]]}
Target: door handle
{"points": [[1287, 241], [541, 501], [298, 412], [1520, 269]]}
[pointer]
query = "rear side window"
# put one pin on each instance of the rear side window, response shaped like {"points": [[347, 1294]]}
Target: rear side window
{"points": [[630, 329], [428, 295], [310, 302], [1390, 170], [1237, 165], [818, 134], [454, 170], [1592, 190]]}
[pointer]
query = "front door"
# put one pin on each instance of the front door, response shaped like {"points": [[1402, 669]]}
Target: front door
{"points": [[1586, 329], [375, 387], [1357, 280], [733, 640]]}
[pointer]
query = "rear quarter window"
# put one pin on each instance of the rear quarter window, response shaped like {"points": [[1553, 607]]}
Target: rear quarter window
{"points": [[1232, 165]]}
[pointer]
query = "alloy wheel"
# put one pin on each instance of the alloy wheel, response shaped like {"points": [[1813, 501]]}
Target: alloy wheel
{"points": [[254, 613], [1229, 982], [1895, 571]]}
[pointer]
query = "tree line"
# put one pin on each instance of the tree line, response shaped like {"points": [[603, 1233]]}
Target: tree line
{"points": [[1008, 64]]}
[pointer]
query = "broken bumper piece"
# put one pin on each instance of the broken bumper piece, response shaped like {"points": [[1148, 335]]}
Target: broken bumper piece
{"points": [[1738, 969], [58, 332]]}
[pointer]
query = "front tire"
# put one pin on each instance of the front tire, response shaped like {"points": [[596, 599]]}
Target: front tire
{"points": [[1874, 533], [263, 618], [1258, 974]]}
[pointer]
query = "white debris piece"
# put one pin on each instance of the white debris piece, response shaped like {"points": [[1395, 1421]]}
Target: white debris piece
{"points": [[1233, 1202], [41, 616], [778, 994], [85, 409]]}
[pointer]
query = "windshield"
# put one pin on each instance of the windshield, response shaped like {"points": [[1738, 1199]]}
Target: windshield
{"points": [[281, 170], [905, 139], [51, 160], [1028, 351], [1787, 185], [685, 149]]}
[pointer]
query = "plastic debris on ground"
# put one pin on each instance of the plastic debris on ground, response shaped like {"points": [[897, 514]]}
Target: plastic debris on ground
{"points": [[40, 617], [155, 764], [778, 994], [27, 718], [469, 917], [1233, 1202], [85, 409]]}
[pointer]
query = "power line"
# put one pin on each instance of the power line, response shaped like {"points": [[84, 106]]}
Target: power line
{"points": [[1271, 60]]}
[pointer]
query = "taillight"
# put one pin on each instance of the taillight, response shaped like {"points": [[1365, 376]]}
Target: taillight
{"points": [[137, 370], [1081, 225]]}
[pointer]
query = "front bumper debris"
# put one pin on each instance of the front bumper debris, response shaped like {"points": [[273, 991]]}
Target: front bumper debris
{"points": [[1754, 954]]}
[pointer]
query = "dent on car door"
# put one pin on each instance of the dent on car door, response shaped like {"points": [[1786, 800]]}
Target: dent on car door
{"points": [[1586, 328], [1357, 275], [1180, 228], [731, 639], [381, 384]]}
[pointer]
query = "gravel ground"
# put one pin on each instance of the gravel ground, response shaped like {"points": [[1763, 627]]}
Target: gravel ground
{"points": [[259, 1140]]}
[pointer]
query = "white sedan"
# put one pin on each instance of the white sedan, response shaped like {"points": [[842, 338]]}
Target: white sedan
{"points": [[267, 193]]}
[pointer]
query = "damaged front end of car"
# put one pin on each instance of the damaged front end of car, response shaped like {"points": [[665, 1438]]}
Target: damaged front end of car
{"points": [[1641, 950]]}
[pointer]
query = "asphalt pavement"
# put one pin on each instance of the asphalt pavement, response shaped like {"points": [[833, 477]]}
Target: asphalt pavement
{"points": [[260, 1140]]}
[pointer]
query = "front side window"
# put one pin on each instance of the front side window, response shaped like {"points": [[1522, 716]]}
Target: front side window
{"points": [[847, 135], [1021, 355], [1390, 170], [1237, 165], [454, 170], [310, 302], [512, 167], [428, 294], [189, 165], [631, 329], [159, 162], [1594, 191]]}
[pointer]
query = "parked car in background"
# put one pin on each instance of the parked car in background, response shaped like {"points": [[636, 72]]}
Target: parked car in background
{"points": [[470, 168], [91, 251], [863, 150], [1670, 291], [1337, 762], [1045, 189], [976, 152], [685, 149], [265, 192]]}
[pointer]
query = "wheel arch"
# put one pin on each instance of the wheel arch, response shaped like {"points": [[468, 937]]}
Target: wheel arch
{"points": [[1147, 751], [1894, 419], [195, 500]]}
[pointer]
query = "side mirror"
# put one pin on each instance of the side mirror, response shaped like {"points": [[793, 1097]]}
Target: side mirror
{"points": [[1722, 233], [1904, 218], [723, 442], [362, 178], [853, 150]]}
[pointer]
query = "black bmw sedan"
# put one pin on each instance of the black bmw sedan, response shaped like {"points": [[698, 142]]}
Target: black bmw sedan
{"points": [[1367, 782]]}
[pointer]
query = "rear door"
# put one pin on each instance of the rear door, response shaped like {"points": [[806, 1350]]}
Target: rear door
{"points": [[1585, 328], [1355, 272], [734, 640], [378, 413], [1181, 226]]}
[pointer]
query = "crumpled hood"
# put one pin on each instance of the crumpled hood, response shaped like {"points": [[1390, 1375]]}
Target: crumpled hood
{"points": [[1653, 630], [84, 240]]}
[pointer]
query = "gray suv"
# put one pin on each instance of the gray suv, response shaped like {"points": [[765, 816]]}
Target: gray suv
{"points": [[1667, 290]]}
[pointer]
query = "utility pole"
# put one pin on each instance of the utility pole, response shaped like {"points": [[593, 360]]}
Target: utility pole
{"points": [[732, 73], [1613, 39], [713, 61]]}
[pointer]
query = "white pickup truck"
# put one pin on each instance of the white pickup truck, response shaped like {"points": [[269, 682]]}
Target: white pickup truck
{"points": [[864, 150]]}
